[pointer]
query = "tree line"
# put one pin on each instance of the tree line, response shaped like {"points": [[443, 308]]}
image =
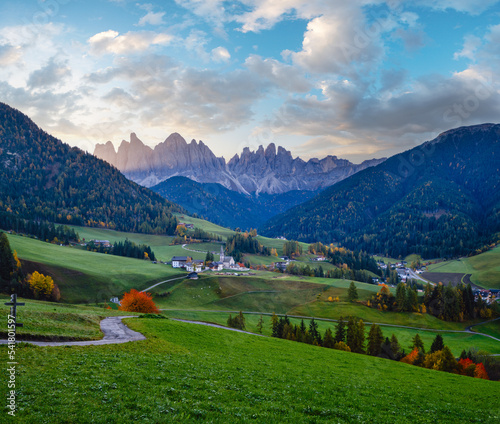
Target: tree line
{"points": [[240, 243], [125, 248]]}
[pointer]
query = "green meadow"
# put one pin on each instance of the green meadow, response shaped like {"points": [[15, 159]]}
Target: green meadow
{"points": [[191, 373], [485, 268], [87, 276]]}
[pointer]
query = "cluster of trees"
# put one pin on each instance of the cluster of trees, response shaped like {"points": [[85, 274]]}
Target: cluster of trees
{"points": [[454, 303], [240, 243], [350, 336], [406, 299], [440, 358], [126, 248], [196, 236], [292, 248], [45, 179], [43, 230], [237, 321]]}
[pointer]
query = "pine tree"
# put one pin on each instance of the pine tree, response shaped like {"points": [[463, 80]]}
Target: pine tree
{"points": [[313, 331], [437, 344], [375, 340], [328, 340], [260, 324], [352, 292], [355, 336], [400, 297], [417, 343], [340, 331], [274, 325], [395, 347], [6, 261]]}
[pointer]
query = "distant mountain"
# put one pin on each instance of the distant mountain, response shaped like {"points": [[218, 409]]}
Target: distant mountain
{"points": [[439, 199], [43, 178], [268, 171], [225, 207]]}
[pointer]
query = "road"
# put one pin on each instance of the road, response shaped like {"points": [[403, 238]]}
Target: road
{"points": [[115, 332], [166, 281]]}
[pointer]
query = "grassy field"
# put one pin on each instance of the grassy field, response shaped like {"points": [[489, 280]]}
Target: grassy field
{"points": [[57, 321], [188, 373], [455, 341], [86, 276], [491, 328], [485, 268]]}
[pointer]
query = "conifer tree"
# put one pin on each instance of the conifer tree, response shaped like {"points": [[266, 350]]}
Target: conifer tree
{"points": [[417, 343], [437, 344], [395, 347], [340, 331], [260, 324], [352, 292], [328, 340], [375, 340]]}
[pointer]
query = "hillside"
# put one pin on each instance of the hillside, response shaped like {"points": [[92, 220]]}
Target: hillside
{"points": [[43, 178], [439, 199], [188, 373], [227, 207]]}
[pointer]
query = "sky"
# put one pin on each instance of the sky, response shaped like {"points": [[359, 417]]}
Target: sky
{"points": [[358, 79]]}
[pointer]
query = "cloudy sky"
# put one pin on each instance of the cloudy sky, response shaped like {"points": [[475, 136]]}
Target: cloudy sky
{"points": [[357, 79]]}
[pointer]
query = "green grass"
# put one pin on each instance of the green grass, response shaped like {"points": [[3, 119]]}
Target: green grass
{"points": [[491, 328], [57, 321], [206, 226], [485, 268], [86, 276], [455, 341], [189, 373]]}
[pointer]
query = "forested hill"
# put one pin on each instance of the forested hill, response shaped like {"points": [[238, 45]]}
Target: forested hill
{"points": [[43, 178], [439, 199]]}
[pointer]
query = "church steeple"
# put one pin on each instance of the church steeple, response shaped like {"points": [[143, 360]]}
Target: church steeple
{"points": [[221, 254]]}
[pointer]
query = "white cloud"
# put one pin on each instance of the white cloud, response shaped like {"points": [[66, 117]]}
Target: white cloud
{"points": [[220, 54], [9, 54], [111, 42], [471, 44], [152, 18]]}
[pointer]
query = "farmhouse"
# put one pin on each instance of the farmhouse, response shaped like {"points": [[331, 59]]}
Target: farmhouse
{"points": [[180, 261], [194, 266], [103, 243]]}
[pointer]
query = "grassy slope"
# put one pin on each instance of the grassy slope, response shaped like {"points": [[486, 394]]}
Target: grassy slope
{"points": [[188, 373], [491, 328], [485, 268], [85, 276], [56, 321], [455, 341]]}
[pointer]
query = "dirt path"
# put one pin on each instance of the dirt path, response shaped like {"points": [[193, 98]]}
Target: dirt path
{"points": [[166, 281], [115, 331]]}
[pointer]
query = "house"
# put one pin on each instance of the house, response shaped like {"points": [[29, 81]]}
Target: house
{"points": [[190, 226], [281, 265], [103, 243], [217, 266], [193, 276], [194, 266], [318, 259], [180, 261]]}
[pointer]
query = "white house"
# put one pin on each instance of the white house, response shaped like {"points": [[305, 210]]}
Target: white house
{"points": [[180, 261], [194, 266]]}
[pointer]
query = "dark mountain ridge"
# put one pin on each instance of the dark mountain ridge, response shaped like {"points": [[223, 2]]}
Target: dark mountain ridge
{"points": [[439, 199], [44, 178]]}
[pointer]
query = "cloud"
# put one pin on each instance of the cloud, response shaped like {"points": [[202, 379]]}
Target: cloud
{"points": [[111, 42], [152, 18], [9, 54], [281, 75], [471, 44], [473, 7], [220, 54], [51, 74]]}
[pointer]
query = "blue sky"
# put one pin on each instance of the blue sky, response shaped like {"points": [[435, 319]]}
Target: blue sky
{"points": [[357, 79]]}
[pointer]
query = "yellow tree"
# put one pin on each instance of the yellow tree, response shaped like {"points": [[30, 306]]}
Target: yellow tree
{"points": [[40, 285]]}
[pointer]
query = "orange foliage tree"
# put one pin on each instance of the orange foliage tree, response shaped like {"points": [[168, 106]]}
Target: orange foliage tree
{"points": [[411, 358], [480, 372], [466, 367], [136, 301]]}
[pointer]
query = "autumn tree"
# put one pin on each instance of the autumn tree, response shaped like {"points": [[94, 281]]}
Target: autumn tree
{"points": [[352, 292], [40, 285], [138, 301], [442, 360], [480, 372], [375, 340]]}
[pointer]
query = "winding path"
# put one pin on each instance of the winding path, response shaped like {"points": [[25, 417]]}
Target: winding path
{"points": [[115, 332]]}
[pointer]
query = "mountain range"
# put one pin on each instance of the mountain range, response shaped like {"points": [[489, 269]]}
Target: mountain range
{"points": [[44, 178], [439, 199], [271, 170]]}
